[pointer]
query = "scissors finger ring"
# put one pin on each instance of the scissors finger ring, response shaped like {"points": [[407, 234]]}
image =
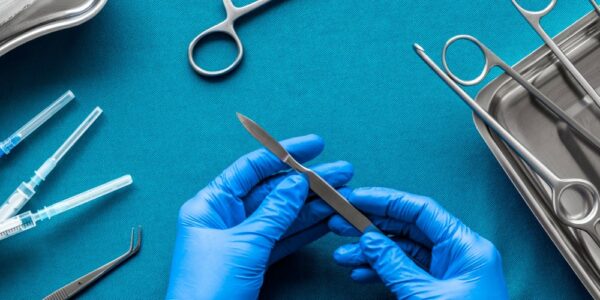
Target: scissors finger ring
{"points": [[225, 27]]}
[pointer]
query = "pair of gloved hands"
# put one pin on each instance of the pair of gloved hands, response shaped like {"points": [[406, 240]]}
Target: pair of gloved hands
{"points": [[254, 214]]}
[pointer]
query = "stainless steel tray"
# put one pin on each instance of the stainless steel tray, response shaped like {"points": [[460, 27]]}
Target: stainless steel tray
{"points": [[33, 18], [562, 151]]}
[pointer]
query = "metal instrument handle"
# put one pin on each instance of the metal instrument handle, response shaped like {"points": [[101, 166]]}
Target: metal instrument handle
{"points": [[333, 198], [588, 221], [595, 5], [84, 281], [492, 60], [225, 27], [533, 18], [521, 150]]}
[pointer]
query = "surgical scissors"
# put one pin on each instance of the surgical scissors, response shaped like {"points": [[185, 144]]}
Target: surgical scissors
{"points": [[563, 190], [492, 60], [226, 27], [534, 18]]}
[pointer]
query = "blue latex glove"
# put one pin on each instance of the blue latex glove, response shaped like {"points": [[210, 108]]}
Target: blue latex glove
{"points": [[431, 254], [248, 217]]}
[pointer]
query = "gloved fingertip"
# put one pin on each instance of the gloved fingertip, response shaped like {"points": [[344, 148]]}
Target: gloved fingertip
{"points": [[343, 251], [355, 275], [340, 226], [371, 239], [338, 255], [314, 143], [296, 178], [345, 167], [345, 191], [296, 181], [315, 138], [293, 191], [279, 209], [363, 275]]}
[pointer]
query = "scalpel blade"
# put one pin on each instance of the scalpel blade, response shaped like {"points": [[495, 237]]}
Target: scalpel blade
{"points": [[264, 138], [329, 194]]}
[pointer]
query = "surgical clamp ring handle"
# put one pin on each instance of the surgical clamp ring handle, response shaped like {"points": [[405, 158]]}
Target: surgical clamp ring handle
{"points": [[492, 60], [225, 27], [534, 18], [561, 188]]}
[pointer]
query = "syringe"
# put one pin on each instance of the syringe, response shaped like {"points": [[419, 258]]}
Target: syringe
{"points": [[28, 220], [7, 145], [26, 190]]}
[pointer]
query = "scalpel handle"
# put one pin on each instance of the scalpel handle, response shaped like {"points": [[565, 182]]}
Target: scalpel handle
{"points": [[332, 197]]}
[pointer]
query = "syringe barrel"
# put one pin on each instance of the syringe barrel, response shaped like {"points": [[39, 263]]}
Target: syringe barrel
{"points": [[44, 170], [45, 114], [25, 191], [84, 197], [7, 145], [76, 135], [16, 224], [16, 201]]}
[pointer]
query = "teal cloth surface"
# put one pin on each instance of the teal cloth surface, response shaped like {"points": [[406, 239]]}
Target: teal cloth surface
{"points": [[342, 69]]}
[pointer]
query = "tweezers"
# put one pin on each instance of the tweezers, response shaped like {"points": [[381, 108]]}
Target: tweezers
{"points": [[71, 289]]}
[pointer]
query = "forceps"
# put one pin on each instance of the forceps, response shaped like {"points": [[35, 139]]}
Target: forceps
{"points": [[71, 289], [564, 190], [492, 60], [226, 27], [533, 18]]}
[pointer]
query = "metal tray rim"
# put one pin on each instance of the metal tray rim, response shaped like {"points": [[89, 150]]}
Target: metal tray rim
{"points": [[508, 161], [52, 27]]}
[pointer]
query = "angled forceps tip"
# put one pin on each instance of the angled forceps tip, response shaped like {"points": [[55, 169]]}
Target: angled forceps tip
{"points": [[78, 285]]}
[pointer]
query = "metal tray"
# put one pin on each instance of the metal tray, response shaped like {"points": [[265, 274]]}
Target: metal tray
{"points": [[35, 18], [536, 128]]}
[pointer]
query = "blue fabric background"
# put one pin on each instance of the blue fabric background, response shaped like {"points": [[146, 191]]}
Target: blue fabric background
{"points": [[342, 69]]}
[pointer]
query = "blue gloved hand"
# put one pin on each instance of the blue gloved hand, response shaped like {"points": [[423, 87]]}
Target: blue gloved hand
{"points": [[432, 254], [248, 217]]}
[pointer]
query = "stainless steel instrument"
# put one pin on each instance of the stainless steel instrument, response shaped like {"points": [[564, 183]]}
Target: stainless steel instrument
{"points": [[547, 137], [492, 60], [73, 288], [565, 191], [534, 18], [226, 27], [328, 193]]}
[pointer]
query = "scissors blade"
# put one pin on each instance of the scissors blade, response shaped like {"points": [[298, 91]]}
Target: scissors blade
{"points": [[328, 193]]}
